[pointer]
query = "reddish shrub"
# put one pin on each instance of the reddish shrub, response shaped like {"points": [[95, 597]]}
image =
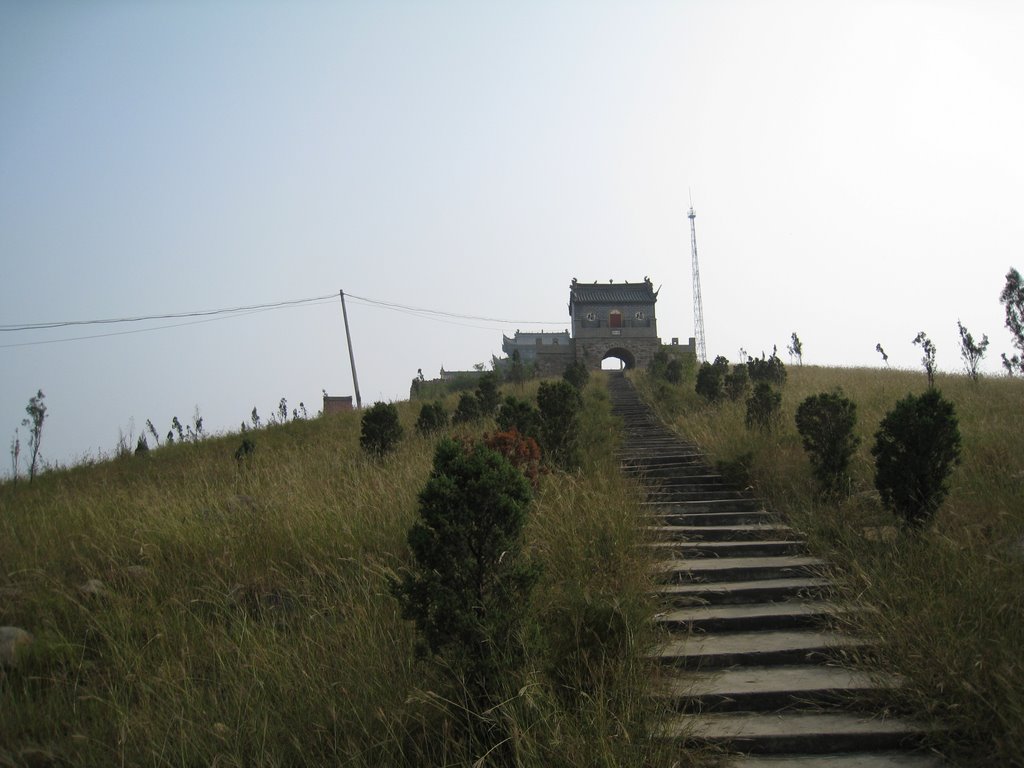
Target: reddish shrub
{"points": [[521, 452]]}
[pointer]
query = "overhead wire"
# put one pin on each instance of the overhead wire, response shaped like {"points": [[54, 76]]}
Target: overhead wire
{"points": [[158, 327], [406, 307], [167, 316], [211, 315]]}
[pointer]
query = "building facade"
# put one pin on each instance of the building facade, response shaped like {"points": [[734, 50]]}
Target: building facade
{"points": [[614, 320], [610, 319]]}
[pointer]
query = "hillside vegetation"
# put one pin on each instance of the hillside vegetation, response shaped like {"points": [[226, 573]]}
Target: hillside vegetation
{"points": [[193, 608], [949, 599]]}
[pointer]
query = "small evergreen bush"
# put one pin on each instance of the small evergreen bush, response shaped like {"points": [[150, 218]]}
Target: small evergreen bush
{"points": [[469, 583], [487, 393], [674, 371], [768, 370], [763, 407], [738, 382], [711, 379], [433, 418], [559, 405], [916, 447], [577, 374], [520, 415], [245, 449], [467, 410], [381, 429], [825, 423], [659, 364]]}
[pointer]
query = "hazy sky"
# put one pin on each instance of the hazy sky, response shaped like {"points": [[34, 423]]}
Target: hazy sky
{"points": [[857, 170]]}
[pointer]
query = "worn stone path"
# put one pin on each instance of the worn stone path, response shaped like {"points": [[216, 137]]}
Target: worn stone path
{"points": [[751, 663]]}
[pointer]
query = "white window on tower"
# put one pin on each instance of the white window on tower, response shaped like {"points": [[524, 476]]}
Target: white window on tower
{"points": [[639, 315]]}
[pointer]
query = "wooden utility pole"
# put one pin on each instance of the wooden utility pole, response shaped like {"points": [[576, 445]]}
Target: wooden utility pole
{"points": [[351, 357]]}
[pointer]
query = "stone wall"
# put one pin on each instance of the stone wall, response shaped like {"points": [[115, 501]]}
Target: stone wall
{"points": [[636, 353], [552, 360], [337, 404]]}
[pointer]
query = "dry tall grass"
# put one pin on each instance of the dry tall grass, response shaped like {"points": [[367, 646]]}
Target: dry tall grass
{"points": [[241, 613]]}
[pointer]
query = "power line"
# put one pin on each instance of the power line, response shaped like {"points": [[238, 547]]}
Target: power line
{"points": [[405, 307], [211, 315], [168, 316], [146, 330]]}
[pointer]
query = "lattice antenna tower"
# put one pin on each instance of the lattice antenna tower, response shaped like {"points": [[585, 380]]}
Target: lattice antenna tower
{"points": [[698, 306]]}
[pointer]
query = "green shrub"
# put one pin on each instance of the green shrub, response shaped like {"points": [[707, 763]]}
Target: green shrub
{"points": [[577, 374], [520, 415], [487, 393], [825, 423], [763, 407], [768, 370], [469, 584], [467, 410], [381, 430], [659, 364], [245, 449], [738, 382], [711, 379], [916, 447], [559, 405], [674, 371], [433, 418]]}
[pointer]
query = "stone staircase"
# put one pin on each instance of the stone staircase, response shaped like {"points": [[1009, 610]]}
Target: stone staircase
{"points": [[751, 663]]}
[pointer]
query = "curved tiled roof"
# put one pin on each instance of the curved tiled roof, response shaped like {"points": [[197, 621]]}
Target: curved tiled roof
{"points": [[614, 293]]}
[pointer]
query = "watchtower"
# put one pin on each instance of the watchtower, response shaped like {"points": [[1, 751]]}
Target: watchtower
{"points": [[614, 320]]}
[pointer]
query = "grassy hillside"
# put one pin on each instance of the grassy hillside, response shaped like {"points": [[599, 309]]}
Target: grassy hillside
{"points": [[950, 601], [191, 609]]}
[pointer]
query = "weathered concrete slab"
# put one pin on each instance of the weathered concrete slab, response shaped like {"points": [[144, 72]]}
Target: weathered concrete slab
{"points": [[763, 688], [796, 732], [854, 760], [752, 616], [744, 591], [736, 568], [740, 531], [703, 517], [716, 549], [756, 648]]}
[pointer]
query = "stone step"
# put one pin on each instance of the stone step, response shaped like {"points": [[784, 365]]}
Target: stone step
{"points": [[723, 533], [679, 459], [729, 593], [646, 441], [680, 472], [745, 504], [669, 515], [746, 617], [682, 493], [757, 648], [792, 732], [719, 569], [714, 549], [847, 760], [763, 688], [689, 482]]}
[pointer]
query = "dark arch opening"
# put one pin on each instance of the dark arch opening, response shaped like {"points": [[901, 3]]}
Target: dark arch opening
{"points": [[619, 353]]}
